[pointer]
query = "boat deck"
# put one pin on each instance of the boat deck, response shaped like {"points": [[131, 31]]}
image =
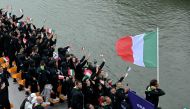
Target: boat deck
{"points": [[16, 97]]}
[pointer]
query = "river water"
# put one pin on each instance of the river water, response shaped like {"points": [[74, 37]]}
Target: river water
{"points": [[97, 24]]}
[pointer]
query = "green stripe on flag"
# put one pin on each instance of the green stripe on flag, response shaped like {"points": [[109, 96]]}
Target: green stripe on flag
{"points": [[150, 49], [71, 72]]}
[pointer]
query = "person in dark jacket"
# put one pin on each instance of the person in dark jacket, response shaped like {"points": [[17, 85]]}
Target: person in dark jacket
{"points": [[89, 94], [14, 47], [153, 92], [70, 81], [77, 98], [53, 75], [78, 65], [120, 95], [34, 86], [107, 103], [42, 75], [113, 98], [16, 19], [4, 96]]}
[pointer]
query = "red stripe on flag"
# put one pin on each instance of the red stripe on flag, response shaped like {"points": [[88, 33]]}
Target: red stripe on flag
{"points": [[124, 48]]}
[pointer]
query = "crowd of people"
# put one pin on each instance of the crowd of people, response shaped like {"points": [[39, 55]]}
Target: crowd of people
{"points": [[84, 84]]}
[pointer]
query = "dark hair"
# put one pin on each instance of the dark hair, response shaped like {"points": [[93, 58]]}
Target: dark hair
{"points": [[42, 62], [77, 82], [153, 82]]}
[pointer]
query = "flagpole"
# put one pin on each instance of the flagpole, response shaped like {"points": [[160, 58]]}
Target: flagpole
{"points": [[158, 73]]}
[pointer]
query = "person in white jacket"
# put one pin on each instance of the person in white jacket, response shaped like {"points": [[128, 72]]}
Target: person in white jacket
{"points": [[32, 99]]}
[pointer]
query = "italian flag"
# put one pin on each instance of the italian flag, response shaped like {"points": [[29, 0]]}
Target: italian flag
{"points": [[87, 73], [6, 59], [28, 19], [60, 77], [71, 72], [140, 49]]}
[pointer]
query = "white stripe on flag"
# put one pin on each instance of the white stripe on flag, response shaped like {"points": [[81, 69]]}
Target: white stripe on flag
{"points": [[137, 47]]}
